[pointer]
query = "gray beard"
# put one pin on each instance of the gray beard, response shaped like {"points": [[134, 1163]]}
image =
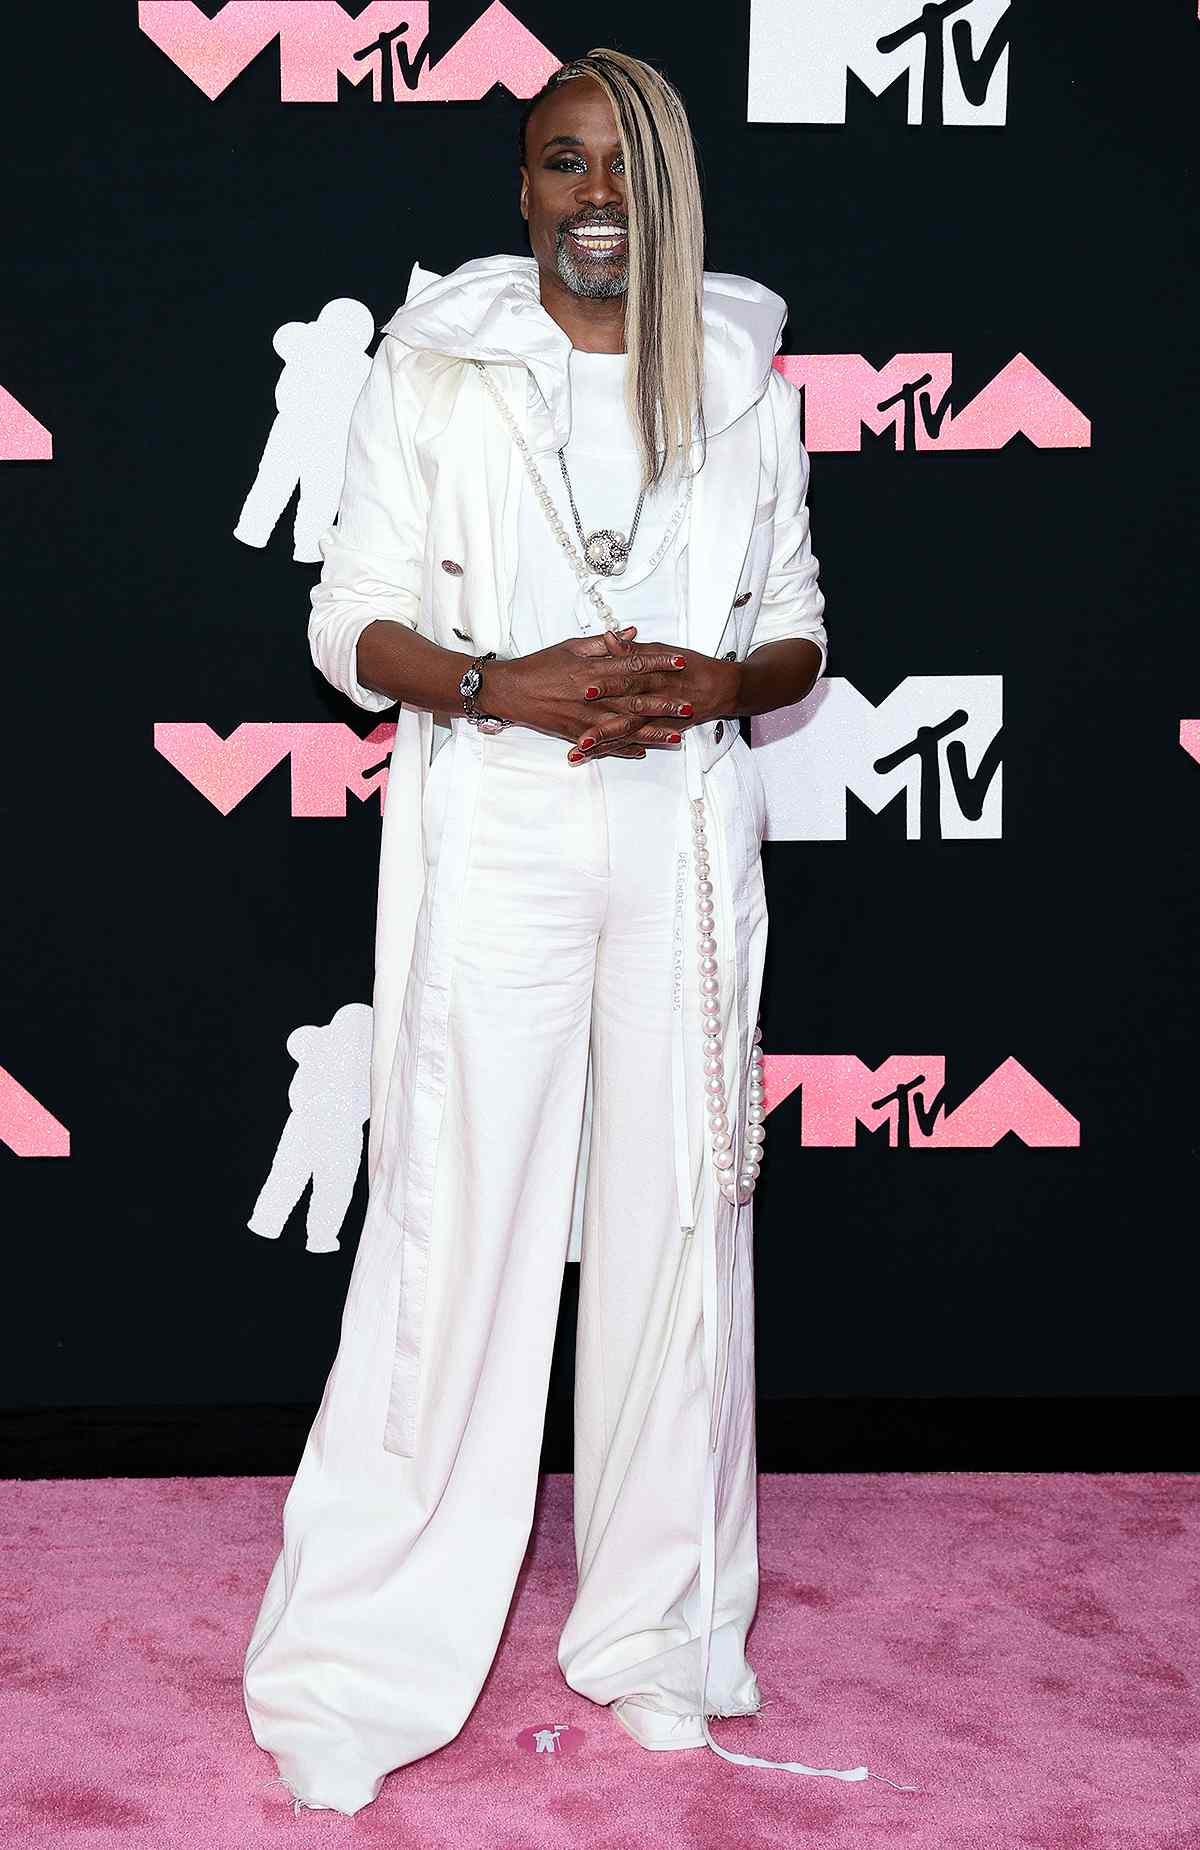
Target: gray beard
{"points": [[598, 282]]}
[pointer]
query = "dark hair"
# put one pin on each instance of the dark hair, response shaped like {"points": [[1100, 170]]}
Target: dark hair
{"points": [[552, 82]]}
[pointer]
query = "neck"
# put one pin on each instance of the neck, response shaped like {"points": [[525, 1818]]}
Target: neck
{"points": [[594, 324]]}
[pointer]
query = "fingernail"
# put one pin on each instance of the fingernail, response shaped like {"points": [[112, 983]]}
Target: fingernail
{"points": [[678, 661], [574, 756], [686, 709], [674, 738], [586, 742], [591, 693]]}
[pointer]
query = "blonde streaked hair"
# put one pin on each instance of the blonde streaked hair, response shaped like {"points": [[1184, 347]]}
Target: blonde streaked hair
{"points": [[664, 327]]}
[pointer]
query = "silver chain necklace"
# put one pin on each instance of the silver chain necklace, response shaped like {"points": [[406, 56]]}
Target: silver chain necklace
{"points": [[605, 550], [578, 566]]}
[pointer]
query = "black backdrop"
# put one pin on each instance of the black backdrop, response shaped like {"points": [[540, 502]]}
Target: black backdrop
{"points": [[991, 1306]]}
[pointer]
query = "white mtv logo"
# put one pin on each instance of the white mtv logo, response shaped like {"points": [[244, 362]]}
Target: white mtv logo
{"points": [[936, 738], [955, 53]]}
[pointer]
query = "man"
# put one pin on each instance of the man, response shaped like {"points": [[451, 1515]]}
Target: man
{"points": [[569, 950]]}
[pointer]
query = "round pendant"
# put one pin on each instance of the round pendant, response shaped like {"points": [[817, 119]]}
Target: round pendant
{"points": [[607, 552]]}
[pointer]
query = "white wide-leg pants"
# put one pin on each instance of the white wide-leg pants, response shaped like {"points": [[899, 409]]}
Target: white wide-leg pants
{"points": [[386, 1603]]}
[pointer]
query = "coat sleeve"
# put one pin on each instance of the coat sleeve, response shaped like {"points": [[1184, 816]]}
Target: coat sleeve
{"points": [[374, 553], [792, 601]]}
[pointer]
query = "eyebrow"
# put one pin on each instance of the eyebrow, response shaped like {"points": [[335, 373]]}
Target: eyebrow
{"points": [[574, 141]]}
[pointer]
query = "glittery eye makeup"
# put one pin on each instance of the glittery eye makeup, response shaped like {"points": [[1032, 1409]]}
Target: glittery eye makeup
{"points": [[574, 163]]}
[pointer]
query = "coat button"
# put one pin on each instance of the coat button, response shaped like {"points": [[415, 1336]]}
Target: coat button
{"points": [[743, 599], [453, 567], [719, 731]]}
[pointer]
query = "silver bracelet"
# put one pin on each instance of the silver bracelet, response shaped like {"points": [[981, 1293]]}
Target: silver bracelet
{"points": [[469, 687]]}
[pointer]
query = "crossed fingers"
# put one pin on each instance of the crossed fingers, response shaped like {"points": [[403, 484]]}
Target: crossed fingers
{"points": [[626, 691], [632, 678], [623, 714]]}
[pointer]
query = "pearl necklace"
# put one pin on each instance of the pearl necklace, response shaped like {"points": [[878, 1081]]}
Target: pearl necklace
{"points": [[736, 1184]]}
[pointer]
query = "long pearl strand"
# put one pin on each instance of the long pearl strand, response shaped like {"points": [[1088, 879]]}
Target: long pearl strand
{"points": [[737, 1185]]}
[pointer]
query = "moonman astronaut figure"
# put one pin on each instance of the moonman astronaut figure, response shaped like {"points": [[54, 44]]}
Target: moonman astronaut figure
{"points": [[573, 546]]}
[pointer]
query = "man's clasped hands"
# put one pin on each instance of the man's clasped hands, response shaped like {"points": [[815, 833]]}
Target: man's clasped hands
{"points": [[609, 694]]}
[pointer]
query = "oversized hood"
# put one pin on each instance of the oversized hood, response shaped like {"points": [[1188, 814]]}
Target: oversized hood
{"points": [[490, 309]]}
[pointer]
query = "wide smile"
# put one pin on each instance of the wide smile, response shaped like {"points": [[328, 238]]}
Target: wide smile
{"points": [[599, 240]]}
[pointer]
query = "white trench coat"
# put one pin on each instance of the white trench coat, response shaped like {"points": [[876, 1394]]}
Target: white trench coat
{"points": [[432, 480]]}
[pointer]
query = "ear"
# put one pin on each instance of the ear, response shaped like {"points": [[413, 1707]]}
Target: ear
{"points": [[525, 194]]}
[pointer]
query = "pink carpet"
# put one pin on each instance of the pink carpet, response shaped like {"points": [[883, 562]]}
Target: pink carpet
{"points": [[1024, 1648]]}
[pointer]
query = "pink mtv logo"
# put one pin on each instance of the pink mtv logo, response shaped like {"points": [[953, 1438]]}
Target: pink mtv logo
{"points": [[26, 1126], [388, 42], [843, 392], [22, 438], [327, 760], [1189, 737], [906, 1095]]}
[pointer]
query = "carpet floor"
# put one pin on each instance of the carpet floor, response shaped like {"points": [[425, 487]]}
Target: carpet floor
{"points": [[1022, 1647]]}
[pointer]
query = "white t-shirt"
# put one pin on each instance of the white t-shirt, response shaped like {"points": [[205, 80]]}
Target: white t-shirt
{"points": [[549, 602]]}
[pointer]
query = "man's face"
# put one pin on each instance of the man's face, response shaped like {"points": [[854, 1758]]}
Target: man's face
{"points": [[573, 191]]}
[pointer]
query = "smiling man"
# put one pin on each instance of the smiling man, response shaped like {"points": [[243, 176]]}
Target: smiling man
{"points": [[585, 253], [572, 547]]}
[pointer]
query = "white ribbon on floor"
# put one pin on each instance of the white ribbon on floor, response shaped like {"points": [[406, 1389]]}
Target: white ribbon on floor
{"points": [[710, 1287]]}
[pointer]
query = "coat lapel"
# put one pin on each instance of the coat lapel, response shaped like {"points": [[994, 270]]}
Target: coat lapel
{"points": [[487, 483], [724, 501], [484, 482]]}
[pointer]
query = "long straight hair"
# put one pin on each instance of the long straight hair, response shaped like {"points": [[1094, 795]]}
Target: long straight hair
{"points": [[664, 325]]}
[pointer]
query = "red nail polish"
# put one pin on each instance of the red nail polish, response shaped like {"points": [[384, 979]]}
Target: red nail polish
{"points": [[675, 738], [586, 742], [678, 661], [574, 756], [591, 693], [686, 709]]}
